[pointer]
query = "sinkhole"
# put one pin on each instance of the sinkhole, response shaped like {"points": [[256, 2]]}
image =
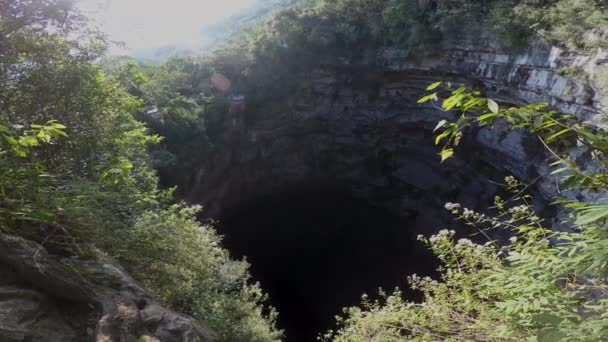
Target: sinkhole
{"points": [[318, 248], [325, 212]]}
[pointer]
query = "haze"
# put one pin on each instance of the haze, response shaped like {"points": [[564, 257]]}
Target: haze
{"points": [[144, 24]]}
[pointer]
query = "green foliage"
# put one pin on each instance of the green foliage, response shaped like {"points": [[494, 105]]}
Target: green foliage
{"points": [[566, 22], [75, 169], [82, 179], [410, 27], [37, 135], [541, 285], [184, 263]]}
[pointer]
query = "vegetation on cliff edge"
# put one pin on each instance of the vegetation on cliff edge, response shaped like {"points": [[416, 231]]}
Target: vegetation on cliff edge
{"points": [[77, 164], [75, 173]]}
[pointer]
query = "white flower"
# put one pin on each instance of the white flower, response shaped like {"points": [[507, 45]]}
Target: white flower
{"points": [[420, 237], [465, 242], [452, 232], [444, 232], [513, 239], [452, 206]]}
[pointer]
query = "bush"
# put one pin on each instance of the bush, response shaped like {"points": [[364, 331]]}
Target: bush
{"points": [[563, 22], [184, 263], [541, 285], [84, 181]]}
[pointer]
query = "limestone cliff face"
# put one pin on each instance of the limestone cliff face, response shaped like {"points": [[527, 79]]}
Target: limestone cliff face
{"points": [[357, 125]]}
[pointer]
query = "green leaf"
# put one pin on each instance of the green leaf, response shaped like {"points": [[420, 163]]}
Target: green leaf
{"points": [[43, 136], [442, 136], [58, 126], [125, 165], [434, 85], [428, 98], [56, 132], [556, 135], [446, 154], [460, 90], [484, 119], [28, 141], [493, 106], [12, 141], [592, 215], [451, 102]]}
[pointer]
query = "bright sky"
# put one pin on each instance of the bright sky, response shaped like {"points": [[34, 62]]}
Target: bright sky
{"points": [[153, 23]]}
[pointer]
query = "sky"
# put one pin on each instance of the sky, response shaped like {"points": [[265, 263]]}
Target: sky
{"points": [[145, 24]]}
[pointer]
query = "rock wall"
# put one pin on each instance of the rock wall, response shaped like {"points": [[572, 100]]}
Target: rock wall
{"points": [[357, 124], [48, 298]]}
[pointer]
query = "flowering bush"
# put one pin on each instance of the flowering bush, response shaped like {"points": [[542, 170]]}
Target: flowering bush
{"points": [[538, 285]]}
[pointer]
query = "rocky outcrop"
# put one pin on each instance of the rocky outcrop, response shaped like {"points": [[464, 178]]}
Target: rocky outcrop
{"points": [[357, 124], [44, 297]]}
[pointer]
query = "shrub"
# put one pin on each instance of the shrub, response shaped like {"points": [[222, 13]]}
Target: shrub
{"points": [[541, 285], [183, 262]]}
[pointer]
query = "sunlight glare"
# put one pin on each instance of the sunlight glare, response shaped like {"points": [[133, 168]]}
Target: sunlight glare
{"points": [[154, 23]]}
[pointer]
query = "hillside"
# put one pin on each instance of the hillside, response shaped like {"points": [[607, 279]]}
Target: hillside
{"points": [[451, 153]]}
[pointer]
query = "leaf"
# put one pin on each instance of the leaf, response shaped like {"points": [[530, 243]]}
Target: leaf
{"points": [[440, 124], [43, 136], [12, 141], [427, 98], [58, 126], [493, 106], [560, 170], [556, 135], [125, 165], [28, 141], [451, 102], [446, 154], [592, 215], [56, 132], [484, 119], [4, 129], [460, 90], [434, 85], [441, 136]]}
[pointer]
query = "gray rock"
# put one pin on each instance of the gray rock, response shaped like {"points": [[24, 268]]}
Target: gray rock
{"points": [[28, 315], [359, 127], [47, 298]]}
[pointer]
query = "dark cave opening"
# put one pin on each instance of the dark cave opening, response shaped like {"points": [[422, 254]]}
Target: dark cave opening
{"points": [[317, 249]]}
